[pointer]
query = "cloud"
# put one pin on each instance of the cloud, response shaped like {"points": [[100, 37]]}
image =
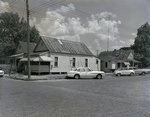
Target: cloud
{"points": [[97, 43], [92, 50], [104, 28], [122, 43], [106, 15], [54, 24], [134, 34], [32, 21], [4, 6], [116, 47], [65, 9]]}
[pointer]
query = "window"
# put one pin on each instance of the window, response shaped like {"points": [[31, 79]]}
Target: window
{"points": [[97, 61], [106, 64], [118, 65], [88, 70], [82, 70], [74, 62], [45, 63], [86, 62], [34, 63], [2, 61], [56, 62]]}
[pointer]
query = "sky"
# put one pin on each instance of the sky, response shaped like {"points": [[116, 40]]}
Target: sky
{"points": [[103, 25]]}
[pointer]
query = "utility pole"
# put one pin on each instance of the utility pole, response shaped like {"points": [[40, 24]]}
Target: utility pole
{"points": [[97, 61], [108, 34], [28, 38]]}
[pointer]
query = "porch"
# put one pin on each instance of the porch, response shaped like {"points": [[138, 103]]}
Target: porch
{"points": [[40, 64]]}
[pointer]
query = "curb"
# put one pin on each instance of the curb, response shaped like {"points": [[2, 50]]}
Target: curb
{"points": [[35, 78], [42, 77]]}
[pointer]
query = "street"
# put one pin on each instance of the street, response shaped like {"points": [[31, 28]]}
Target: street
{"points": [[112, 96]]}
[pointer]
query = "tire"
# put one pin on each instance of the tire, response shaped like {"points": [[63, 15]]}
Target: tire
{"points": [[143, 73], [76, 76], [99, 76], [118, 74], [131, 74]]}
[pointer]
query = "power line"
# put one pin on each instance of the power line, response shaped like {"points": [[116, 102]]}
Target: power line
{"points": [[15, 2], [48, 5], [42, 5], [53, 3]]}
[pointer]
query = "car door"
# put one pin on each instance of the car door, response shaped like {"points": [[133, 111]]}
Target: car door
{"points": [[83, 73], [89, 73], [125, 71]]}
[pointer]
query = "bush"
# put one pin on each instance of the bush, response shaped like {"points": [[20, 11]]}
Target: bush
{"points": [[5, 68]]}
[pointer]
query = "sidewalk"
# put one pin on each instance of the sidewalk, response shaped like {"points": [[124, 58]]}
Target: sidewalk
{"points": [[35, 77], [40, 77]]}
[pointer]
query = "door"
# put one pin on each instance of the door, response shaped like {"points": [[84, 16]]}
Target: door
{"points": [[89, 73], [83, 73]]}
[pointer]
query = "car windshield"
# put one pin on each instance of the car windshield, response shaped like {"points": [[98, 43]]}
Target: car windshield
{"points": [[79, 69], [82, 69], [75, 69], [88, 69]]}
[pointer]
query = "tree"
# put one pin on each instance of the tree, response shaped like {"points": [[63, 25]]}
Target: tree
{"points": [[142, 41], [12, 30]]}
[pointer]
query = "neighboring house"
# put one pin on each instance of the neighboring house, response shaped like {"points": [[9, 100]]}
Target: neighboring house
{"points": [[112, 60], [4, 60], [20, 52], [60, 56]]}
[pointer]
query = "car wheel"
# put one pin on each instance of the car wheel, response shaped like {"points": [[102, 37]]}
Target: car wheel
{"points": [[118, 74], [76, 76], [143, 73], [99, 76], [131, 74]]}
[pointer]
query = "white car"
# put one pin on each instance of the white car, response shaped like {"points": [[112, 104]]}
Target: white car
{"points": [[124, 71], [139, 71], [85, 72], [1, 73]]}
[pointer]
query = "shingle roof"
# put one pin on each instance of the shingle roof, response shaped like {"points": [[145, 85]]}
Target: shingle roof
{"points": [[114, 55], [66, 46], [24, 46]]}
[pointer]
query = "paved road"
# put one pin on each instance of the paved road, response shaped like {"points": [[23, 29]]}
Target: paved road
{"points": [[110, 97]]}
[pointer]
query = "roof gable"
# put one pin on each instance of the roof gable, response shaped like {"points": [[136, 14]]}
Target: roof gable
{"points": [[22, 47], [41, 46], [65, 46], [116, 55]]}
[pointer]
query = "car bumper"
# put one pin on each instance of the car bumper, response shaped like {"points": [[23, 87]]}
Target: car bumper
{"points": [[70, 75], [1, 75]]}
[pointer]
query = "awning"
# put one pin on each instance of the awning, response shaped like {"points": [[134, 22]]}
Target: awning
{"points": [[26, 59], [43, 58], [40, 58], [126, 63], [17, 55]]}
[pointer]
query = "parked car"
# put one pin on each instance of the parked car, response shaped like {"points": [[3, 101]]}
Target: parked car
{"points": [[124, 71], [85, 72], [139, 71], [1, 73], [148, 69]]}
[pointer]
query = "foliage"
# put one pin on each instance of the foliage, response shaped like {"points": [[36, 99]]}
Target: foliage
{"points": [[12, 30], [142, 41], [5, 68], [125, 48]]}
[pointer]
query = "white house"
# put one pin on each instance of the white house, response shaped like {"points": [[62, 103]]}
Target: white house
{"points": [[59, 56]]}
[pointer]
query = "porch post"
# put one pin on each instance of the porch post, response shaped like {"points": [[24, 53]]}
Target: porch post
{"points": [[15, 65], [39, 67]]}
